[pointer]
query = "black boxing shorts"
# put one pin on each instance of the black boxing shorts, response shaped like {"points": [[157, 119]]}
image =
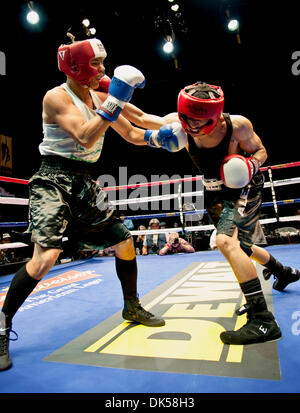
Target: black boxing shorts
{"points": [[64, 202], [229, 209]]}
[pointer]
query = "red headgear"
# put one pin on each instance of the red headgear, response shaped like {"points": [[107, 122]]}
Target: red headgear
{"points": [[196, 108], [74, 59]]}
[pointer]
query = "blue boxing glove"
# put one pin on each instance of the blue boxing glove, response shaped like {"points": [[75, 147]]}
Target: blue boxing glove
{"points": [[125, 80], [171, 137]]}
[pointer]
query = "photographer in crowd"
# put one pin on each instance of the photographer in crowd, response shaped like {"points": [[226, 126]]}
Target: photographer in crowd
{"points": [[176, 244]]}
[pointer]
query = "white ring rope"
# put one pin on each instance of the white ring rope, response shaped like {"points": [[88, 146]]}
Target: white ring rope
{"points": [[168, 230], [271, 184]]}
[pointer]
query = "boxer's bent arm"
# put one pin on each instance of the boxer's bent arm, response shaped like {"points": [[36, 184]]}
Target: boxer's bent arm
{"points": [[249, 141], [60, 109], [147, 120]]}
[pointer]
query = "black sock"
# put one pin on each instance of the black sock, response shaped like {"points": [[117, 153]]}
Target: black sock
{"points": [[254, 295], [273, 265], [20, 288], [127, 274]]}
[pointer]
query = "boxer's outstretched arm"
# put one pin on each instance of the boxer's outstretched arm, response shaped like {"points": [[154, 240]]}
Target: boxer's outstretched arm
{"points": [[170, 137], [129, 132], [146, 120]]}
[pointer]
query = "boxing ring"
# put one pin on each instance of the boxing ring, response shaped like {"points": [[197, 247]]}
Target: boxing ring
{"points": [[72, 338]]}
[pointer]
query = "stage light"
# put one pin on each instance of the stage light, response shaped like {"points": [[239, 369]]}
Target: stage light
{"points": [[33, 17], [168, 47], [175, 7], [233, 25], [92, 31], [85, 22]]}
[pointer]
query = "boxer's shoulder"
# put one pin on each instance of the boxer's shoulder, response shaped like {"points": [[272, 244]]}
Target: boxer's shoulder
{"points": [[56, 96], [241, 126], [171, 117]]}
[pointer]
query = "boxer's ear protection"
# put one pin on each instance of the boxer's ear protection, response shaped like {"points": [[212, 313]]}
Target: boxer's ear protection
{"points": [[189, 106], [74, 59]]}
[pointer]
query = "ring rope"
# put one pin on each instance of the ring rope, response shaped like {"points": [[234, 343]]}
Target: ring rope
{"points": [[150, 184], [161, 215], [24, 201], [180, 196], [181, 213], [154, 198], [168, 230], [265, 168], [273, 194]]}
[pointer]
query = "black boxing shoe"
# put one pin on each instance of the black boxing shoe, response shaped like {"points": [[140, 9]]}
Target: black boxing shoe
{"points": [[133, 311], [5, 361], [285, 277], [260, 328]]}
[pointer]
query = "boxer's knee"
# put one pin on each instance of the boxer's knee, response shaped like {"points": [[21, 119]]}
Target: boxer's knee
{"points": [[42, 261], [125, 249], [225, 243]]}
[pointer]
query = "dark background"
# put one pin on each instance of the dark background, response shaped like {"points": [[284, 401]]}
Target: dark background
{"points": [[256, 75]]}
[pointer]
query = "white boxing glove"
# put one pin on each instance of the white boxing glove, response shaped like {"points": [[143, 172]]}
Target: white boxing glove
{"points": [[236, 170], [121, 87], [171, 137]]}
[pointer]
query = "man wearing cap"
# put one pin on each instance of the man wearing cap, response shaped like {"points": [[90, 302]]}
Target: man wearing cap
{"points": [[153, 242]]}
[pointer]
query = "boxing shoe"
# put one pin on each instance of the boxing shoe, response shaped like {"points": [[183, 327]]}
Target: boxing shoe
{"points": [[260, 328], [133, 311], [283, 277], [5, 361]]}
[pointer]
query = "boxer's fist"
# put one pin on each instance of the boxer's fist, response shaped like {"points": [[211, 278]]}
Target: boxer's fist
{"points": [[236, 170], [126, 79], [104, 84], [170, 137], [121, 87]]}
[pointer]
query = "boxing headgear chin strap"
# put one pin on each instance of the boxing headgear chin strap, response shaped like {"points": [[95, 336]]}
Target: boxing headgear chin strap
{"points": [[74, 59], [196, 108]]}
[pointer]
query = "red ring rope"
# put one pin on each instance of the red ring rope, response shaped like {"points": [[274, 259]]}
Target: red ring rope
{"points": [[170, 181]]}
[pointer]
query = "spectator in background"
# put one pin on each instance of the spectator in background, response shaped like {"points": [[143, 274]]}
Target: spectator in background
{"points": [[153, 243], [297, 223], [7, 254], [3, 259], [6, 238], [139, 241], [3, 256], [175, 245], [163, 225], [109, 252]]}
